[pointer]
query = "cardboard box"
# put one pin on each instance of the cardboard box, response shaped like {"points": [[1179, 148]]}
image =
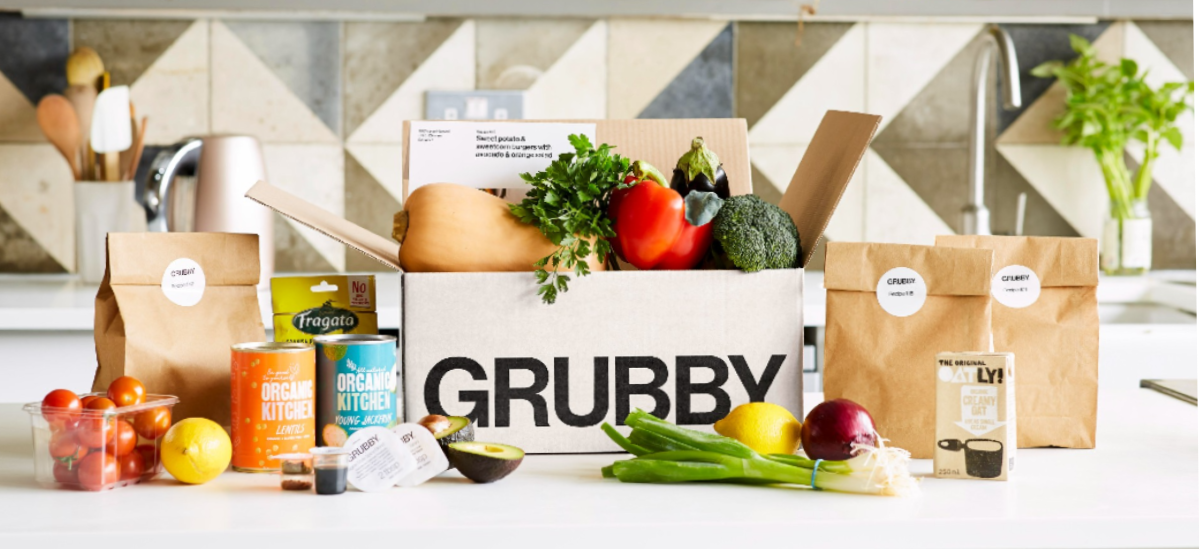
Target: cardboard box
{"points": [[976, 416], [689, 345]]}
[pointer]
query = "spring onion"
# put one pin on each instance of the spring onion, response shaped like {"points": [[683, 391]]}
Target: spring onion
{"points": [[667, 453]]}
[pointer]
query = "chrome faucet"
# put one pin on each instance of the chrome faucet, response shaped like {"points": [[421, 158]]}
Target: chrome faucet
{"points": [[975, 216]]}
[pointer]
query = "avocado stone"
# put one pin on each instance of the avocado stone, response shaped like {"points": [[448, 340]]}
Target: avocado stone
{"points": [[460, 430], [485, 462]]}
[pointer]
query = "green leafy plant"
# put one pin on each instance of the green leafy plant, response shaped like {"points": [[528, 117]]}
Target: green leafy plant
{"points": [[569, 203], [1107, 106]]}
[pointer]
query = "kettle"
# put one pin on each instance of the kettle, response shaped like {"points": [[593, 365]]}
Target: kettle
{"points": [[199, 184]]}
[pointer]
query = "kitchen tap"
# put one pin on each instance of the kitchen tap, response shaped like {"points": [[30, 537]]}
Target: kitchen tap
{"points": [[975, 216]]}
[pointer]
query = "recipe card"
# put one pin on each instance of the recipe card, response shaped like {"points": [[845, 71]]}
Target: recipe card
{"points": [[486, 155]]}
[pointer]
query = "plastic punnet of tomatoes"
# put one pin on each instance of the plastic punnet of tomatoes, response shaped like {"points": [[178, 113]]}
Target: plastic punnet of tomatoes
{"points": [[88, 442]]}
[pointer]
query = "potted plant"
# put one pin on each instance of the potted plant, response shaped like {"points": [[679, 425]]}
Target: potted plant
{"points": [[1107, 107]]}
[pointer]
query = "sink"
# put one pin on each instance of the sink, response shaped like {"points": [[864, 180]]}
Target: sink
{"points": [[1162, 297]]}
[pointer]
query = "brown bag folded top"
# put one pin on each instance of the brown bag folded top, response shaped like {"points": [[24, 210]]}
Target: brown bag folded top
{"points": [[887, 363], [178, 341], [1056, 338]]}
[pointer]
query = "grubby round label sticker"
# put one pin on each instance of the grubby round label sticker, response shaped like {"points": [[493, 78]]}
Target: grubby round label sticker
{"points": [[1016, 286], [377, 459], [901, 292], [183, 282]]}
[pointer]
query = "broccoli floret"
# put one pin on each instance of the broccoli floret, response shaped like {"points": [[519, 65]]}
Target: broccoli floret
{"points": [[754, 235]]}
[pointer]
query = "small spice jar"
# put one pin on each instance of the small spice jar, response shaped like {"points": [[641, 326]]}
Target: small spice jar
{"points": [[330, 465], [295, 471]]}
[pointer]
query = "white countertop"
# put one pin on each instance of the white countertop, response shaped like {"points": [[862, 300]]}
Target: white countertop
{"points": [[1138, 488], [64, 303]]}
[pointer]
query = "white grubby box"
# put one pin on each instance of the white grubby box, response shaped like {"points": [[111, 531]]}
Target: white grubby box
{"points": [[685, 345]]}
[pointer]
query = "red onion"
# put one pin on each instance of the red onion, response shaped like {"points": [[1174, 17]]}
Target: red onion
{"points": [[833, 428]]}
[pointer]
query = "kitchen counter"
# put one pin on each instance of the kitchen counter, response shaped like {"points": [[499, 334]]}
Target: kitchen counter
{"points": [[1138, 488]]}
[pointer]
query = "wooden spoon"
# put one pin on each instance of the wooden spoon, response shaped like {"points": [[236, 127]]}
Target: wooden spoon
{"points": [[139, 142], [57, 119], [83, 98]]}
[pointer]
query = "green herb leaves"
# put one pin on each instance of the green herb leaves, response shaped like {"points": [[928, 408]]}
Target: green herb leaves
{"points": [[1108, 105], [568, 204]]}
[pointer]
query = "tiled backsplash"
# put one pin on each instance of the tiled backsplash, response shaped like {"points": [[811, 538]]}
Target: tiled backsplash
{"points": [[327, 100]]}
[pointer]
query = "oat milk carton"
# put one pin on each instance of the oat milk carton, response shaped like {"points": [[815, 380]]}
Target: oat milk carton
{"points": [[976, 416]]}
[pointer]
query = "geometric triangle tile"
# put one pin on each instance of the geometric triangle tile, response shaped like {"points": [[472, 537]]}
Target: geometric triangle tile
{"points": [[313, 172], [769, 62], [18, 117], [650, 52], [703, 89], [1038, 43], [451, 66], [1175, 39], [836, 81], [1068, 178], [248, 97], [20, 253], [127, 47], [903, 57], [894, 212], [1033, 121], [33, 54], [1174, 244], [371, 207], [378, 57], [294, 253], [37, 193], [384, 164], [513, 53], [574, 85], [304, 55], [173, 91]]}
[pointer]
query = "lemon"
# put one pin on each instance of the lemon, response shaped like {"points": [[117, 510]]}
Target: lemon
{"points": [[196, 450], [765, 427]]}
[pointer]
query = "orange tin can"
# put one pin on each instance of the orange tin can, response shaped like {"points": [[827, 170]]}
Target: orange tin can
{"points": [[273, 394]]}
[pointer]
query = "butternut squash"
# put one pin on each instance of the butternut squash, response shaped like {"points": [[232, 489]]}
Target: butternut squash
{"points": [[446, 227]]}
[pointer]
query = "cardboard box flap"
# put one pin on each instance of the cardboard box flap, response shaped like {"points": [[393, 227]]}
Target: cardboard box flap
{"points": [[142, 258], [823, 174], [1057, 261], [659, 142], [377, 247], [858, 266]]}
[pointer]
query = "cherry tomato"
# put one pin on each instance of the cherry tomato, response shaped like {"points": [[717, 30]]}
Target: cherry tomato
{"points": [[96, 427], [149, 457], [131, 466], [66, 472], [63, 446], [153, 423], [126, 391], [61, 407], [124, 440], [84, 400], [98, 470]]}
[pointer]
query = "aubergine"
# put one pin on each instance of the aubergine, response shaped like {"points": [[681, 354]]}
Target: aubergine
{"points": [[700, 170]]}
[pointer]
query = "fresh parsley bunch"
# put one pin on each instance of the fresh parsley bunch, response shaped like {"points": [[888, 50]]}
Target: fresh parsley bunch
{"points": [[569, 204]]}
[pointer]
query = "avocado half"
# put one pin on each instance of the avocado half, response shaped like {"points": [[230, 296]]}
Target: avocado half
{"points": [[485, 462], [447, 429]]}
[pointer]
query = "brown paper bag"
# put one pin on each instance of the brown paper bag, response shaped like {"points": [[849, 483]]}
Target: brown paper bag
{"points": [[168, 309], [1054, 334], [881, 340]]}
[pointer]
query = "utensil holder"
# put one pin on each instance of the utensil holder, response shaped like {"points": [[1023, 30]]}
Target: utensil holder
{"points": [[102, 207]]}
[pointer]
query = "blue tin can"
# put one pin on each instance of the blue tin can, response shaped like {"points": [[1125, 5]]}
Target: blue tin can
{"points": [[356, 385]]}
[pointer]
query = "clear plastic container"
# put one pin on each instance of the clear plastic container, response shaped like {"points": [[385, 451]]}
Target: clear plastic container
{"points": [[99, 449], [330, 465], [295, 471]]}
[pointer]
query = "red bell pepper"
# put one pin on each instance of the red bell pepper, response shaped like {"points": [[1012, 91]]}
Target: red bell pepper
{"points": [[653, 230]]}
